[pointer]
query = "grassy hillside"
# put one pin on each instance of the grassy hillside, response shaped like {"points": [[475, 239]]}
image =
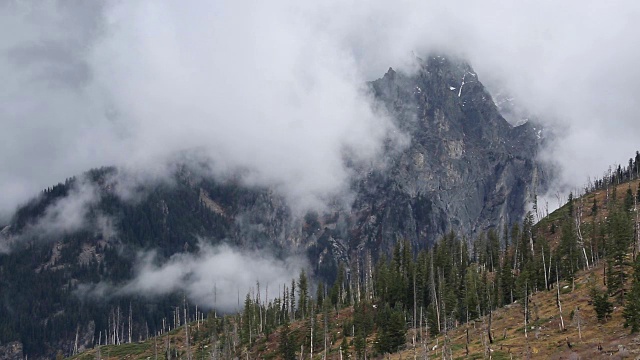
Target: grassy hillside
{"points": [[583, 335], [544, 338]]}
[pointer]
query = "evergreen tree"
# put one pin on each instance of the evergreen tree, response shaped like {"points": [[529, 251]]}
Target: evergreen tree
{"points": [[292, 299], [287, 345], [303, 295], [493, 251], [247, 335], [320, 294], [570, 205], [631, 311], [336, 290], [568, 250], [506, 280], [620, 235], [363, 324], [471, 297], [391, 330], [601, 303], [628, 200]]}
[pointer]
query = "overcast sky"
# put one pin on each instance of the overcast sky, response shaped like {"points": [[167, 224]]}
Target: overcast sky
{"points": [[275, 87]]}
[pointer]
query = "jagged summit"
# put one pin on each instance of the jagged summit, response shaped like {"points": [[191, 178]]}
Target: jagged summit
{"points": [[466, 168]]}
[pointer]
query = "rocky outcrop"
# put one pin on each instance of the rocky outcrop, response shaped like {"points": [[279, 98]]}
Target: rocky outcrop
{"points": [[11, 351], [466, 168]]}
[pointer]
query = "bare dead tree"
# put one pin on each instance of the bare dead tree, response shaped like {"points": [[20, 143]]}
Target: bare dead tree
{"points": [[544, 264], [636, 227], [130, 318], [608, 175], [357, 280], [168, 344], [197, 319], [311, 321], [444, 313], [526, 318], [546, 208], [434, 294], [490, 316], [326, 330], [415, 305], [426, 340], [258, 298], [578, 222], [75, 345], [558, 300], [186, 330], [559, 198], [578, 319], [368, 279]]}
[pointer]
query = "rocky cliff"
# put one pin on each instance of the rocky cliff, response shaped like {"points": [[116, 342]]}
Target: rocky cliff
{"points": [[466, 169]]}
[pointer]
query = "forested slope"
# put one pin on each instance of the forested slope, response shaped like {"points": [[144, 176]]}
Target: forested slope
{"points": [[565, 287]]}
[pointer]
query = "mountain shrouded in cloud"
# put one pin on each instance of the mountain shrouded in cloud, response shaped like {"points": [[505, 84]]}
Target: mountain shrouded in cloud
{"points": [[252, 93], [275, 90], [220, 124]]}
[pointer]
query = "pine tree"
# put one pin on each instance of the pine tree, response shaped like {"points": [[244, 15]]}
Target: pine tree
{"points": [[506, 280], [391, 330], [628, 200], [570, 205], [287, 346], [320, 294], [292, 300], [303, 295], [631, 311], [336, 291], [568, 250], [601, 303], [247, 334], [620, 235], [363, 324]]}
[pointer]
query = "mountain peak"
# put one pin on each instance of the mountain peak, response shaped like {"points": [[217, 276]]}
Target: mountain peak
{"points": [[390, 74]]}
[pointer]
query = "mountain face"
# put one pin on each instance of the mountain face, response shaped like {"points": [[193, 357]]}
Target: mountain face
{"points": [[465, 169]]}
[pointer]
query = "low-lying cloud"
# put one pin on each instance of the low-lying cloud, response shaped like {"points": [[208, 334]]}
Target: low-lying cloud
{"points": [[64, 215], [214, 277], [67, 214]]}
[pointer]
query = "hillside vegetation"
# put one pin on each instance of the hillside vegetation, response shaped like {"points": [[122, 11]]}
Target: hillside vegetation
{"points": [[565, 287]]}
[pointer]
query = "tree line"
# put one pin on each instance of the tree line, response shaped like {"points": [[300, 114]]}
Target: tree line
{"points": [[459, 280]]}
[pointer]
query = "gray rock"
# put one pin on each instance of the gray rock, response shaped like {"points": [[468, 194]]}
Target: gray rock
{"points": [[11, 351]]}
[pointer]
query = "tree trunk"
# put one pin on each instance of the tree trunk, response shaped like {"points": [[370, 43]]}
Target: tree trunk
{"points": [[434, 294], [544, 264], [558, 300]]}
